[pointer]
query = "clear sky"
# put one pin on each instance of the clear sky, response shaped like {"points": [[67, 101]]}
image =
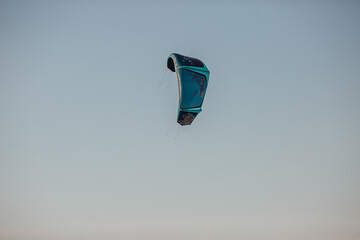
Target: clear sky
{"points": [[89, 144]]}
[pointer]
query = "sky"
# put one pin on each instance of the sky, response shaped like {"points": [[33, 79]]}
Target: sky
{"points": [[89, 144]]}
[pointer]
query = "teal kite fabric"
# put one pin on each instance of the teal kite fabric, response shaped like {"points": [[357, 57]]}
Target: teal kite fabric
{"points": [[193, 78]]}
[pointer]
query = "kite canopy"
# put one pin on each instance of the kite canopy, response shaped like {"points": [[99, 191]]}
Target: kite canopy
{"points": [[193, 77]]}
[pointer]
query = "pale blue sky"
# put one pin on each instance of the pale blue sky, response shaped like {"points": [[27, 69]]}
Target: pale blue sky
{"points": [[89, 144]]}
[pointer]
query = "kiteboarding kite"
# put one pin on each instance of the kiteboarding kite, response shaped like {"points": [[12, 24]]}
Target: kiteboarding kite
{"points": [[193, 77]]}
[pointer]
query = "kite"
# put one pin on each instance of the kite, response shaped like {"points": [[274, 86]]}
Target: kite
{"points": [[193, 77]]}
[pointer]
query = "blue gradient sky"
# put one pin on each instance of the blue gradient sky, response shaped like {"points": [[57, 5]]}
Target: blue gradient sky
{"points": [[89, 144]]}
